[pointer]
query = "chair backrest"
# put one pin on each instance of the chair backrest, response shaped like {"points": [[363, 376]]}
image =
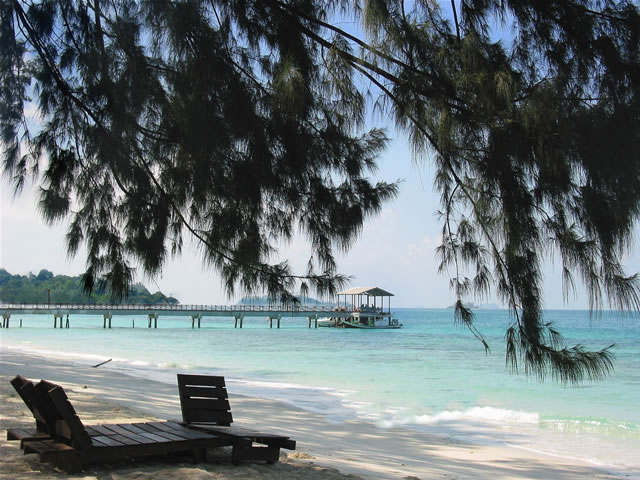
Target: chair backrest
{"points": [[25, 389], [18, 382], [43, 404], [204, 399], [70, 426]]}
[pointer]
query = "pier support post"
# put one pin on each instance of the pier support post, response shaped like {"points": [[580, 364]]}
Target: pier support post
{"points": [[5, 320], [241, 319], [67, 323], [194, 318], [106, 317], [238, 319], [279, 316], [316, 320], [154, 317], [270, 322], [309, 322]]}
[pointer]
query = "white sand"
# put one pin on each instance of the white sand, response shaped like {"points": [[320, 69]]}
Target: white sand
{"points": [[349, 450]]}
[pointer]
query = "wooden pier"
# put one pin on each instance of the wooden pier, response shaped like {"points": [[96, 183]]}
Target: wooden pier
{"points": [[153, 312]]}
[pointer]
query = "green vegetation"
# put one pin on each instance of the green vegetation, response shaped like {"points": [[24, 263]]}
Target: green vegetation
{"points": [[64, 289], [240, 122]]}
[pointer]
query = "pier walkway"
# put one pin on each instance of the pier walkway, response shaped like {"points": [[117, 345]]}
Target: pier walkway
{"points": [[196, 312]]}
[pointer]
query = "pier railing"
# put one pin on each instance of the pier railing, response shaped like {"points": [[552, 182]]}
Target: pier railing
{"points": [[167, 307]]}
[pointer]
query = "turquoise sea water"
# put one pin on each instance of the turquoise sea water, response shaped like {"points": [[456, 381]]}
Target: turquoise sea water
{"points": [[428, 375]]}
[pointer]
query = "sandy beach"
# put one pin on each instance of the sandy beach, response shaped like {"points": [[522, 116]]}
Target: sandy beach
{"points": [[349, 450]]}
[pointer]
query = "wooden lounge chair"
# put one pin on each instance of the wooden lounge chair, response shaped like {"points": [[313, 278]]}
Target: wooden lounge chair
{"points": [[75, 445], [36, 397], [25, 388], [40, 440], [205, 406]]}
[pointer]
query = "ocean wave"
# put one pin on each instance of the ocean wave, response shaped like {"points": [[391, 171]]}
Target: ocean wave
{"points": [[491, 415]]}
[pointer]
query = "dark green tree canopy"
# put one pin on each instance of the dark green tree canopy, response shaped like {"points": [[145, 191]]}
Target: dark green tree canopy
{"points": [[162, 118], [49, 288], [240, 121]]}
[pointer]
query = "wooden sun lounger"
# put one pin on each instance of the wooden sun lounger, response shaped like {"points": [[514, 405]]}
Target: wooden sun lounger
{"points": [[71, 444], [205, 406], [25, 388], [36, 397], [120, 441]]}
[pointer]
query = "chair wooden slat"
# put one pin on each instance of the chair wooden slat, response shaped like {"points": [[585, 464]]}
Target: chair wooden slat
{"points": [[178, 430], [207, 416], [125, 439], [79, 436], [101, 429], [214, 404], [204, 380], [133, 438], [139, 434], [45, 405], [116, 429], [106, 440], [154, 437], [205, 406], [18, 382], [204, 392]]}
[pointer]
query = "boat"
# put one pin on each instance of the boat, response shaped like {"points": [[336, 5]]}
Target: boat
{"points": [[362, 307]]}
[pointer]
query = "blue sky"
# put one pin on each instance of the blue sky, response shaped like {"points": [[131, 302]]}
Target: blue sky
{"points": [[396, 250]]}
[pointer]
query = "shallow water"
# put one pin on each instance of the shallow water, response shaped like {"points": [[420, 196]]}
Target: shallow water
{"points": [[427, 375]]}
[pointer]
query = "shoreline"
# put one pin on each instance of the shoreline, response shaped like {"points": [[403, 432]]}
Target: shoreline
{"points": [[353, 447]]}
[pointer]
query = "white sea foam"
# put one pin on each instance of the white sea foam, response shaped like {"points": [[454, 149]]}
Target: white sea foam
{"points": [[484, 414]]}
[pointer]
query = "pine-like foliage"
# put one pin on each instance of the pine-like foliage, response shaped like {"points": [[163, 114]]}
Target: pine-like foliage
{"points": [[163, 118], [235, 121], [534, 127]]}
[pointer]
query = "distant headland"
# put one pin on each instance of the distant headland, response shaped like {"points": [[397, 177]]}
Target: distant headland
{"points": [[45, 287], [303, 301]]}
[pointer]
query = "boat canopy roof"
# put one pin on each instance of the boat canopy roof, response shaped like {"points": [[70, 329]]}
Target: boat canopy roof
{"points": [[370, 291]]}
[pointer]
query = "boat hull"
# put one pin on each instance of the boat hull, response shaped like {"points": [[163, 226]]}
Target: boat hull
{"points": [[350, 323]]}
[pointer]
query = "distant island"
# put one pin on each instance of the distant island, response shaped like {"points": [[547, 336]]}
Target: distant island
{"points": [[46, 287], [307, 301]]}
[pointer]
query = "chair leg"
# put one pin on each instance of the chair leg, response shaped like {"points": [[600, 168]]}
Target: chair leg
{"points": [[243, 450], [199, 455], [68, 463]]}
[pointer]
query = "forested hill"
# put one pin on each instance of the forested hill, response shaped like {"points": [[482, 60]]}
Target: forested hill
{"points": [[64, 289]]}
